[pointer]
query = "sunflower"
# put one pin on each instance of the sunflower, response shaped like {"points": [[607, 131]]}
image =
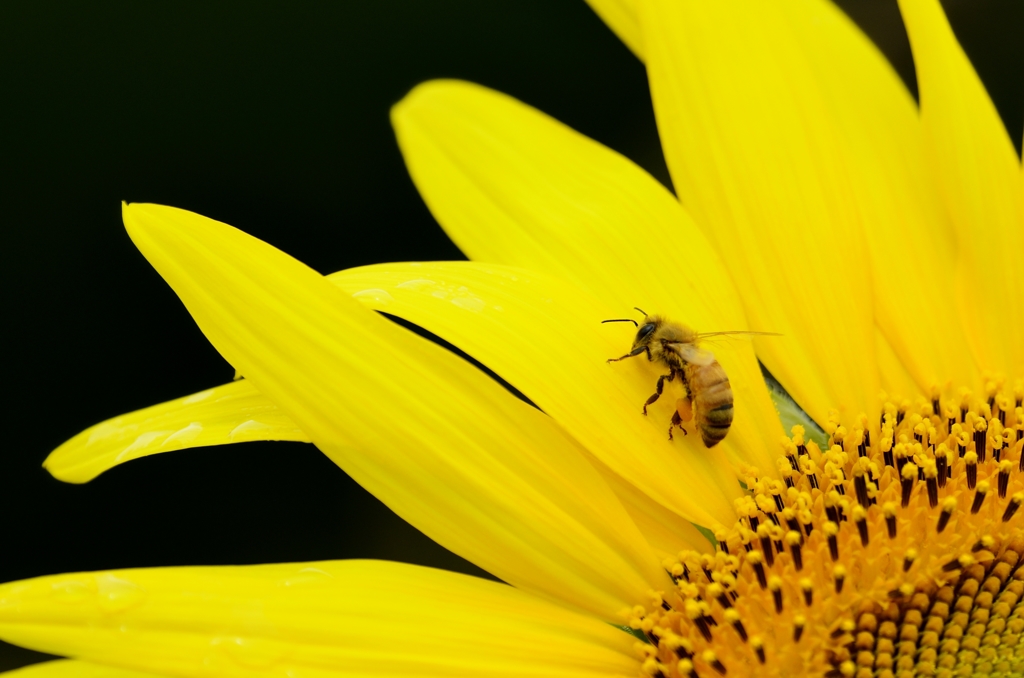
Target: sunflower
{"points": [[814, 200]]}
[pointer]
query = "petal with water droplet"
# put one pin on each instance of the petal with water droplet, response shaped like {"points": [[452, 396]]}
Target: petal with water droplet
{"points": [[234, 412], [549, 342], [512, 186], [359, 618], [439, 442]]}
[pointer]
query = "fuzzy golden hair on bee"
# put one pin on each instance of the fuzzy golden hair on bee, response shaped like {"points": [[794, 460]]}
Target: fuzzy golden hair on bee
{"points": [[676, 347]]}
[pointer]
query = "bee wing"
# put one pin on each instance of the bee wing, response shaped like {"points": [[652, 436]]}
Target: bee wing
{"points": [[704, 335], [692, 354]]}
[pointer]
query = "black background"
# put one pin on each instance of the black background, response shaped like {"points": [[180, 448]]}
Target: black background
{"points": [[272, 117]]}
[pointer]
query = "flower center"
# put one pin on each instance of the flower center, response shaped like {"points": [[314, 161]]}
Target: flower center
{"points": [[889, 551]]}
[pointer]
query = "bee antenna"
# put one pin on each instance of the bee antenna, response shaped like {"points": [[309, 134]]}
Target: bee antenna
{"points": [[622, 320], [641, 310]]}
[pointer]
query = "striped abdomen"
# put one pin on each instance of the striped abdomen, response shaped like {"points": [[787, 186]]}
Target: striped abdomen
{"points": [[712, 401]]}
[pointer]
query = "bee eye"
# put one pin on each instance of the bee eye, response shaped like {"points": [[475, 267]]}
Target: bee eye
{"points": [[644, 331]]}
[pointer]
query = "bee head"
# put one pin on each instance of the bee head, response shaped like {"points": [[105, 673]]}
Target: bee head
{"points": [[643, 334]]}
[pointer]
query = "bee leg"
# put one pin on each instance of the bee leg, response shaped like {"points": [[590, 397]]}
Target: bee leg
{"points": [[676, 421], [632, 354], [661, 385], [686, 383]]}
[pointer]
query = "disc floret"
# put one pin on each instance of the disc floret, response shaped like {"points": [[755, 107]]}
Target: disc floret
{"points": [[893, 549]]}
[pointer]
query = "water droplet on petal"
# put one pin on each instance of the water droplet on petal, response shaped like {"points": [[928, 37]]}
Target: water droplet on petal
{"points": [[251, 653], [375, 295], [470, 303], [73, 590], [116, 595], [416, 284], [247, 426], [185, 435], [142, 442]]}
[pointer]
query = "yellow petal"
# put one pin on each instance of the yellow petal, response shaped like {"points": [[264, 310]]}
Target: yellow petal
{"points": [[512, 186], [910, 241], [620, 15], [895, 377], [901, 211], [348, 618], [977, 172], [70, 668], [436, 440], [547, 340], [666, 531], [232, 413], [757, 158], [237, 412]]}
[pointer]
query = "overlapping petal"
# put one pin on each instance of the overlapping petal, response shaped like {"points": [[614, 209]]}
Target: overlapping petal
{"points": [[978, 175], [757, 159], [908, 237], [665, 530], [512, 186], [895, 378], [70, 668], [445, 447], [232, 413], [350, 618], [591, 401], [546, 339]]}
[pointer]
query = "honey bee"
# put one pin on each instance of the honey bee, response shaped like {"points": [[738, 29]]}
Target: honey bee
{"points": [[709, 396]]}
